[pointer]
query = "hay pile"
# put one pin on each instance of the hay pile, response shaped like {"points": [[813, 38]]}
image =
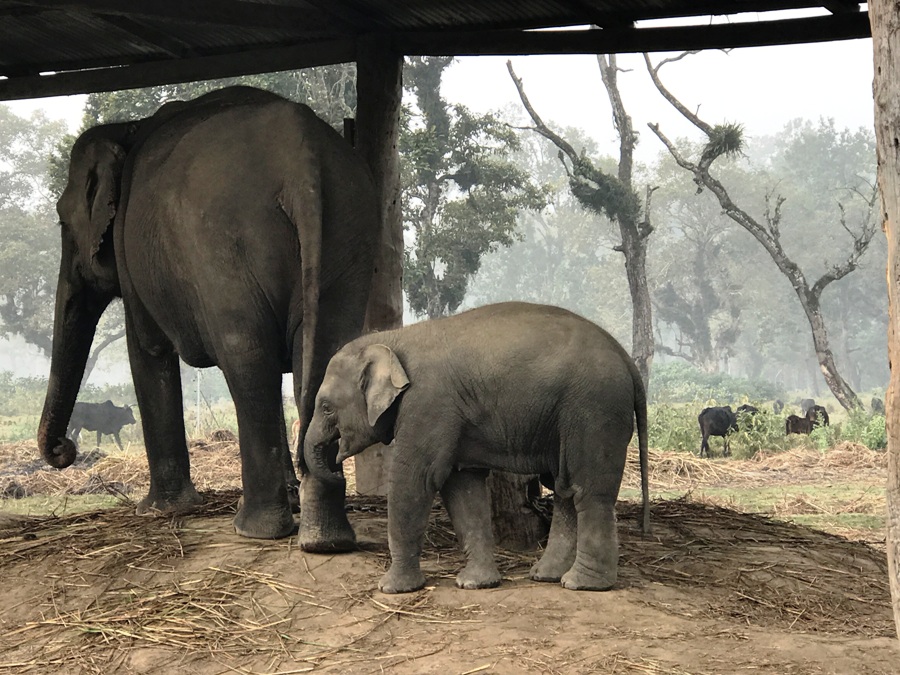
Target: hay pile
{"points": [[761, 571], [215, 465], [842, 457], [673, 470]]}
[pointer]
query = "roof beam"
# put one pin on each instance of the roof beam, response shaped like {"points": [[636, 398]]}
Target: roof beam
{"points": [[222, 12], [677, 38], [150, 36], [155, 73]]}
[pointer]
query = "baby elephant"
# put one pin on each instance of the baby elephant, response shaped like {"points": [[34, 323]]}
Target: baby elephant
{"points": [[516, 387]]}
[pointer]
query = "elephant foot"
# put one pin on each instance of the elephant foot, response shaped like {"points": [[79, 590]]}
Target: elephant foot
{"points": [[324, 527], [471, 577], [551, 570], [582, 580], [155, 503], [401, 582], [272, 523]]}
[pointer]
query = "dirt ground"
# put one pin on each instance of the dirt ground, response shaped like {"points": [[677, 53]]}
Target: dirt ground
{"points": [[709, 591]]}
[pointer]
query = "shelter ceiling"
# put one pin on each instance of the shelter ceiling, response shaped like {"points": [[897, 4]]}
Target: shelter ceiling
{"points": [[52, 47]]}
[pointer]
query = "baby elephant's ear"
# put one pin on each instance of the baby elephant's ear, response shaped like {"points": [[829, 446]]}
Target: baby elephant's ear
{"points": [[384, 380]]}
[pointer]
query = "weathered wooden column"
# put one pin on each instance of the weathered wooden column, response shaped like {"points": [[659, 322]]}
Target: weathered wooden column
{"points": [[884, 16], [379, 91]]}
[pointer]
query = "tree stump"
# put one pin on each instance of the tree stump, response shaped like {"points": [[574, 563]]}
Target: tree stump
{"points": [[516, 525]]}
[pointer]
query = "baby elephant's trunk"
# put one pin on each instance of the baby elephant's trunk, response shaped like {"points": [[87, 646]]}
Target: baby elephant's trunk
{"points": [[316, 454]]}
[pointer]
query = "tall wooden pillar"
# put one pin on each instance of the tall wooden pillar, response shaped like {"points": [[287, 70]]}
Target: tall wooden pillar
{"points": [[379, 92], [884, 16]]}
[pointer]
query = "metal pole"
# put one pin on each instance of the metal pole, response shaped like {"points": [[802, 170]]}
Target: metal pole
{"points": [[198, 372]]}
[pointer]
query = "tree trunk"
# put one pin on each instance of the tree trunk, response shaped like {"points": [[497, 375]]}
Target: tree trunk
{"points": [[885, 18], [379, 92], [517, 527], [634, 234], [634, 247]]}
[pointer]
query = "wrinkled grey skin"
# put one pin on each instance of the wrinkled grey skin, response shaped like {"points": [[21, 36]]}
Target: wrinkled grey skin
{"points": [[238, 229], [516, 387]]}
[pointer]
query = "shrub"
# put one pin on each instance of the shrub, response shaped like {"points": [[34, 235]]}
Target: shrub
{"points": [[682, 383]]}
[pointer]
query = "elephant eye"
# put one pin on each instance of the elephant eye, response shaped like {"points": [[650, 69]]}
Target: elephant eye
{"points": [[327, 408]]}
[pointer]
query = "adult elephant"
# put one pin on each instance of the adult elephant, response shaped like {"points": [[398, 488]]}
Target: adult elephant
{"points": [[238, 229]]}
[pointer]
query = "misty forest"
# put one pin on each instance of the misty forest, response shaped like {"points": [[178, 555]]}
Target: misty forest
{"points": [[735, 267]]}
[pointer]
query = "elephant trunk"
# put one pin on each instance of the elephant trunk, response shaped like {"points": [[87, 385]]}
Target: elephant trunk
{"points": [[78, 310], [316, 452]]}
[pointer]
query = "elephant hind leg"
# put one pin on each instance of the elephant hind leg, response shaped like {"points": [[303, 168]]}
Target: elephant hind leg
{"points": [[465, 495], [597, 557], [560, 552], [324, 527], [254, 380]]}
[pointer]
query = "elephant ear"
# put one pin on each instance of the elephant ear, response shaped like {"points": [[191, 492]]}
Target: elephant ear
{"points": [[383, 380], [103, 160]]}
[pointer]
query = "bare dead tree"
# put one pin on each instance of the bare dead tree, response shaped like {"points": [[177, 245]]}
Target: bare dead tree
{"points": [[727, 139], [95, 354], [615, 197]]}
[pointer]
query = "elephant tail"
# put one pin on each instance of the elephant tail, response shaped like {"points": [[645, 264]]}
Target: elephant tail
{"points": [[301, 201], [640, 413]]}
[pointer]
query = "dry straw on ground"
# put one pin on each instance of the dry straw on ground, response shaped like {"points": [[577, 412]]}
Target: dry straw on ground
{"points": [[155, 590]]}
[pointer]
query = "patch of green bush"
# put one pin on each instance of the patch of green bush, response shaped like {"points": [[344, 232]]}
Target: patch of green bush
{"points": [[675, 427], [680, 382]]}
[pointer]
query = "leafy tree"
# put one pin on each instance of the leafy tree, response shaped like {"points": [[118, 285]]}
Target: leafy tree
{"points": [[462, 192], [330, 91], [566, 254], [29, 257], [698, 300]]}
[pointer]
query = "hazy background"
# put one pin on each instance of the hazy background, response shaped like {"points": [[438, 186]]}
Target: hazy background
{"points": [[806, 111]]}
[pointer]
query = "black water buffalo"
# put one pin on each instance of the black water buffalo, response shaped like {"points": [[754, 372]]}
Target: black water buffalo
{"points": [[818, 416], [806, 404], [104, 418], [877, 406], [717, 421], [778, 406], [797, 425], [748, 409]]}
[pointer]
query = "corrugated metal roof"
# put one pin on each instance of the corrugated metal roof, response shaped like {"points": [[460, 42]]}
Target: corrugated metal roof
{"points": [[155, 40]]}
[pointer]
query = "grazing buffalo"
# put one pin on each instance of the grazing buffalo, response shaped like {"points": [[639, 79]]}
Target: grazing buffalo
{"points": [[717, 421], [818, 416], [778, 406], [104, 418], [747, 409], [877, 406], [797, 425], [806, 404]]}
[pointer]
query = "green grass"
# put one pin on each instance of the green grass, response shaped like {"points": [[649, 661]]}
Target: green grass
{"points": [[838, 506], [59, 505]]}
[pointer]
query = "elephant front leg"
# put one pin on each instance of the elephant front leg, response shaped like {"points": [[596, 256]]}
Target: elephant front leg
{"points": [[465, 495], [410, 497], [157, 383], [324, 527]]}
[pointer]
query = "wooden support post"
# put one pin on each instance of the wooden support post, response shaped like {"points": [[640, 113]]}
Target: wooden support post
{"points": [[885, 18], [379, 92]]}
